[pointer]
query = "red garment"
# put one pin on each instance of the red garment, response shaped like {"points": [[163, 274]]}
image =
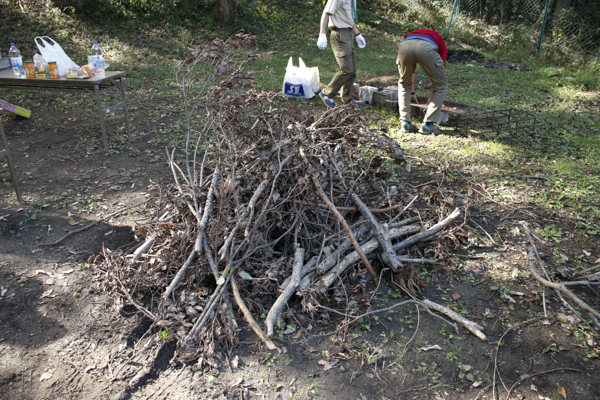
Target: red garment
{"points": [[433, 35]]}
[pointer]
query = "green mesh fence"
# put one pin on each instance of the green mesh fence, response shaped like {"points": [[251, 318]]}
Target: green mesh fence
{"points": [[548, 27]]}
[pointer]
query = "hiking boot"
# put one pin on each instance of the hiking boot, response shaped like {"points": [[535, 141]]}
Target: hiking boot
{"points": [[328, 102], [429, 128], [408, 127]]}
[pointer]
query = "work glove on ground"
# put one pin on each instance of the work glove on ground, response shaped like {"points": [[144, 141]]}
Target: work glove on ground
{"points": [[360, 40], [322, 42]]}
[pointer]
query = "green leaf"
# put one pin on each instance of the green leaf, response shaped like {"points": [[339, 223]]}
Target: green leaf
{"points": [[245, 275]]}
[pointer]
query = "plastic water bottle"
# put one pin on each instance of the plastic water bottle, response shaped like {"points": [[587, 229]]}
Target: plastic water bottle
{"points": [[98, 60], [17, 62]]}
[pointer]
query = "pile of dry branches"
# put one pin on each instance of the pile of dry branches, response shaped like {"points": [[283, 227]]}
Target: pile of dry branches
{"points": [[270, 209]]}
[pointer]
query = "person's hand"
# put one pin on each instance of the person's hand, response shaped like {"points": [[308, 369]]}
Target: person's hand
{"points": [[414, 98], [360, 40], [322, 42]]}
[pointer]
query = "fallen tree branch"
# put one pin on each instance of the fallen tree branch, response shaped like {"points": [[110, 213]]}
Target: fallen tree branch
{"points": [[429, 232], [381, 234], [208, 207], [557, 286], [281, 301], [249, 318], [368, 247], [471, 326], [144, 247], [362, 255], [49, 244], [350, 209]]}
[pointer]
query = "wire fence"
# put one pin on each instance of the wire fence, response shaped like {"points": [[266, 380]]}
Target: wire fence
{"points": [[549, 27]]}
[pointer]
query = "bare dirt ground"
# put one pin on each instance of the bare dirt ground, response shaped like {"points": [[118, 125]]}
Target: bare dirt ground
{"points": [[62, 339]]}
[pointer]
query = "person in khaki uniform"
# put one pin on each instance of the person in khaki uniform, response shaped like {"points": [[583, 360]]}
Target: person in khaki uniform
{"points": [[426, 48], [340, 17]]}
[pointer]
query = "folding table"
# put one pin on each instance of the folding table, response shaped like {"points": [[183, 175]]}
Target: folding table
{"points": [[96, 84]]}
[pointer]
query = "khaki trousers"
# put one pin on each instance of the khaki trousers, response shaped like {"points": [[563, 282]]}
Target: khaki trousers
{"points": [[342, 44], [410, 53]]}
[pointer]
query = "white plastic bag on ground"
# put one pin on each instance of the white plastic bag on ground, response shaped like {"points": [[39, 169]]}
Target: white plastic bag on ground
{"points": [[297, 80], [315, 82], [51, 51]]}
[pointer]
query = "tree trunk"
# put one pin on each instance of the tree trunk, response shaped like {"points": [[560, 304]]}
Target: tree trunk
{"points": [[226, 9]]}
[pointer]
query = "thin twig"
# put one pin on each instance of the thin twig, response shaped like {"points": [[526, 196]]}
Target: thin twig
{"points": [[540, 373], [498, 347]]}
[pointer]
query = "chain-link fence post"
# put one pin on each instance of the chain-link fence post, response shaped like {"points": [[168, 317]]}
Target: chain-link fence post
{"points": [[454, 9], [539, 46]]}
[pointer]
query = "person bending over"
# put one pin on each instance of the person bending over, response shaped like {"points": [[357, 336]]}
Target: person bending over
{"points": [[426, 48]]}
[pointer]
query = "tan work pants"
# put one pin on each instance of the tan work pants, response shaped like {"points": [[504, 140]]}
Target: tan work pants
{"points": [[342, 44], [410, 53]]}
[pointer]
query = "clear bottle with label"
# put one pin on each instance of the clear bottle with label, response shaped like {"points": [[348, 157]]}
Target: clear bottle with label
{"points": [[16, 61], [97, 59]]}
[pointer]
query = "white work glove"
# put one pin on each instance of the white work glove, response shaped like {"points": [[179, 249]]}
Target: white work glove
{"points": [[322, 42], [360, 40]]}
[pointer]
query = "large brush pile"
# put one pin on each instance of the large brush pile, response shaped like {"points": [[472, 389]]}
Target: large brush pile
{"points": [[271, 209]]}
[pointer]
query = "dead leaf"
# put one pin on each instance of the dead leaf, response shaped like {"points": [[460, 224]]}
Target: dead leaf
{"points": [[371, 376], [89, 368], [533, 388], [508, 298], [46, 375], [569, 320], [67, 271], [236, 382], [590, 340], [561, 391], [477, 384], [72, 222], [587, 253], [327, 365], [2, 291], [47, 293]]}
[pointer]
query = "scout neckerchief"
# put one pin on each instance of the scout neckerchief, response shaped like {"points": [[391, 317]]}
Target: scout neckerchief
{"points": [[354, 8]]}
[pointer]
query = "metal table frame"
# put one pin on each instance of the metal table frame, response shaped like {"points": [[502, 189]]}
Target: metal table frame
{"points": [[5, 153], [112, 80]]}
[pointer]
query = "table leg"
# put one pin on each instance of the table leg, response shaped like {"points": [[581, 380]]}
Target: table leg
{"points": [[101, 115], [6, 152], [124, 100]]}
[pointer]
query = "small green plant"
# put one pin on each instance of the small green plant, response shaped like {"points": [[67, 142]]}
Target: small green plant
{"points": [[555, 348], [163, 334], [452, 355], [464, 372], [550, 232], [270, 359]]}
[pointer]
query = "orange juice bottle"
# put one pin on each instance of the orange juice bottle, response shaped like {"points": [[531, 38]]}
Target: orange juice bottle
{"points": [[53, 70], [30, 69]]}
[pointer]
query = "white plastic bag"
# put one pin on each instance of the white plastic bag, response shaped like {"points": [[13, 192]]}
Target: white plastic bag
{"points": [[51, 51], [315, 83], [297, 81]]}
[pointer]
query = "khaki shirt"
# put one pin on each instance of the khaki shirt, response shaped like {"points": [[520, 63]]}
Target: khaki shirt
{"points": [[342, 14]]}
